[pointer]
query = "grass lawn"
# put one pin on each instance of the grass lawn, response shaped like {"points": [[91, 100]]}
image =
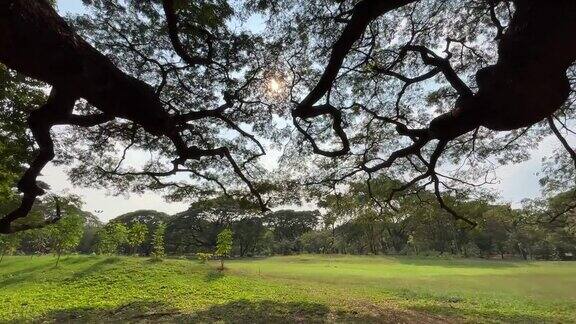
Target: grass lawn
{"points": [[301, 288]]}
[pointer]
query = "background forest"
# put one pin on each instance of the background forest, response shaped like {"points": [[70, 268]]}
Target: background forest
{"points": [[344, 225]]}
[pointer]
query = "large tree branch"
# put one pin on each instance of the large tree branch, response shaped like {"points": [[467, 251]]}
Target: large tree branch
{"points": [[173, 33], [562, 140], [526, 85], [35, 41], [443, 64], [56, 110], [362, 15]]}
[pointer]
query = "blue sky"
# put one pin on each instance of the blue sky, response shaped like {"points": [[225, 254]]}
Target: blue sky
{"points": [[70, 6], [516, 182]]}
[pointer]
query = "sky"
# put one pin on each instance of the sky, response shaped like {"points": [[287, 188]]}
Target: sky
{"points": [[70, 6], [516, 182]]}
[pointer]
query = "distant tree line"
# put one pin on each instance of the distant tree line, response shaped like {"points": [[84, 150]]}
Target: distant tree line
{"points": [[359, 222], [350, 223]]}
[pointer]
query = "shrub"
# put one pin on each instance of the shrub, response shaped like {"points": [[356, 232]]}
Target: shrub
{"points": [[204, 257]]}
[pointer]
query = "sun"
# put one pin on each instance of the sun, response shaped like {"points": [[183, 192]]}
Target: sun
{"points": [[274, 85]]}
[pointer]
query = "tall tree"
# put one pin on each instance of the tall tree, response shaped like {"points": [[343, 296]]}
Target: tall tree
{"points": [[414, 88], [150, 218], [196, 229], [288, 226], [248, 234], [202, 88], [406, 86]]}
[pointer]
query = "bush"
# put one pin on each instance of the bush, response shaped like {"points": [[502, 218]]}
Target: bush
{"points": [[204, 257]]}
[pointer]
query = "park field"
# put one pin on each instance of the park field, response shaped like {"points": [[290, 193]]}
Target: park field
{"points": [[305, 288]]}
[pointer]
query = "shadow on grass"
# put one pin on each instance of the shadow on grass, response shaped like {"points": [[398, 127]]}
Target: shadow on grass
{"points": [[24, 274], [96, 267], [241, 311], [489, 316], [27, 274], [76, 259], [213, 275], [15, 279]]}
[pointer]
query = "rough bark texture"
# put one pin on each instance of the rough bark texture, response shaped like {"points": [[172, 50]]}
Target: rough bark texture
{"points": [[528, 83], [37, 42]]}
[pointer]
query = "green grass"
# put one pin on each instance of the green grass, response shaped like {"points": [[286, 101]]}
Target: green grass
{"points": [[286, 289]]}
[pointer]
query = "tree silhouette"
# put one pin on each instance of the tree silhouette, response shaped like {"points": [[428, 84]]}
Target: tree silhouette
{"points": [[461, 73]]}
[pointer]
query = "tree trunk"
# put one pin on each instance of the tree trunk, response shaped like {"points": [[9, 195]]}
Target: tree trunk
{"points": [[333, 242], [522, 252]]}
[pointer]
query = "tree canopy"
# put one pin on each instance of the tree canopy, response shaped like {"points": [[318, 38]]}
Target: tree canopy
{"points": [[435, 93]]}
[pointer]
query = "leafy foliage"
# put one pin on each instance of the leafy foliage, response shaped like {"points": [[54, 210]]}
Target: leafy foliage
{"points": [[66, 234], [135, 35], [18, 97], [204, 257], [158, 250], [111, 237], [136, 235], [8, 244]]}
